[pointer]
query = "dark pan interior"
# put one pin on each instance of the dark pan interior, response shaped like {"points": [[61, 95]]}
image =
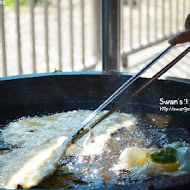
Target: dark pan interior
{"points": [[51, 93]]}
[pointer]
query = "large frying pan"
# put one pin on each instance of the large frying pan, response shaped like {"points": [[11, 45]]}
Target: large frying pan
{"points": [[40, 94]]}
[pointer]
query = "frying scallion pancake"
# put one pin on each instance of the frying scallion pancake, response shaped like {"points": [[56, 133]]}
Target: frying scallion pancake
{"points": [[40, 144]]}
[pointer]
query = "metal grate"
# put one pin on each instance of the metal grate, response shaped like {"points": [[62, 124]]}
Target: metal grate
{"points": [[148, 22], [48, 36], [66, 35]]}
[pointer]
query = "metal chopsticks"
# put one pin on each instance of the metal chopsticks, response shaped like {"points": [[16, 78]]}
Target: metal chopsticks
{"points": [[83, 130], [125, 85]]}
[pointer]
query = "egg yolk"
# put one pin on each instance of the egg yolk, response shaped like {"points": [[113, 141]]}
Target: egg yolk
{"points": [[134, 156], [171, 167]]}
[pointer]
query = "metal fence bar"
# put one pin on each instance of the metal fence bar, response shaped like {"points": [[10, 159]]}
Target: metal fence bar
{"points": [[155, 18], [177, 14], [46, 27], [131, 23], [122, 27], [32, 27], [17, 12], [163, 17], [59, 34], [144, 46], [2, 28], [111, 34], [170, 16], [148, 20], [140, 20], [184, 6], [96, 28], [83, 31], [71, 32]]}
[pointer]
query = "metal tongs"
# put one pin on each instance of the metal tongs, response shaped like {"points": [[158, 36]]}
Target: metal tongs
{"points": [[88, 124]]}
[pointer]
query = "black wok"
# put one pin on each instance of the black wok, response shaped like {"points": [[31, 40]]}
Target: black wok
{"points": [[41, 94]]}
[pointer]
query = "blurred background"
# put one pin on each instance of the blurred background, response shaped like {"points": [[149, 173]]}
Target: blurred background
{"points": [[38, 36]]}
